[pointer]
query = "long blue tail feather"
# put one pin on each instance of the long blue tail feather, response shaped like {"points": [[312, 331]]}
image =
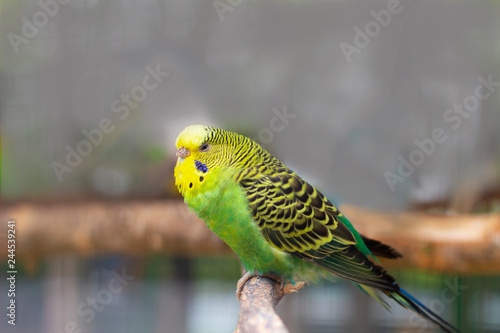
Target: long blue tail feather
{"points": [[408, 301]]}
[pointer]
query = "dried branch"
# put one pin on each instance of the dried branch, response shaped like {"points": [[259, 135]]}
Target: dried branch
{"points": [[88, 228], [258, 298], [446, 243]]}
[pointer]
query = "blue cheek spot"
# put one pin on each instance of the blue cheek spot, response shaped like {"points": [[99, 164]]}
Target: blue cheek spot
{"points": [[200, 166]]}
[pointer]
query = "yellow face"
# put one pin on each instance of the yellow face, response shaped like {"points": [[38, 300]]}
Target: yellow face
{"points": [[191, 169]]}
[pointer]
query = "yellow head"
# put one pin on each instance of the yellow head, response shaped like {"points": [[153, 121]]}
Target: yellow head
{"points": [[206, 152], [201, 151]]}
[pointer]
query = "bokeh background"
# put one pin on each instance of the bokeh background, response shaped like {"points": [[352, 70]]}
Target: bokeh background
{"points": [[341, 107]]}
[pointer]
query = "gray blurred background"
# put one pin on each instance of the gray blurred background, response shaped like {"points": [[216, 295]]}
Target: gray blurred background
{"points": [[277, 71]]}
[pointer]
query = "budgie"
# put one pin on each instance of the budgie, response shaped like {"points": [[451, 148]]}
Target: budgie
{"points": [[277, 223]]}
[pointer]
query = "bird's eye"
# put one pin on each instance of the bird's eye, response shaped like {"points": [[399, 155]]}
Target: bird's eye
{"points": [[204, 147]]}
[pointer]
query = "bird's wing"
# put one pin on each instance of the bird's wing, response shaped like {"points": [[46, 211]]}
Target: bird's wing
{"points": [[296, 218]]}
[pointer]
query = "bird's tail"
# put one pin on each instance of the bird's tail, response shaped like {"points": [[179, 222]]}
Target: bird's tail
{"points": [[408, 301]]}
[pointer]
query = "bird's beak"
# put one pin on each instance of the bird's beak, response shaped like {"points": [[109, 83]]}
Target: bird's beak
{"points": [[183, 152]]}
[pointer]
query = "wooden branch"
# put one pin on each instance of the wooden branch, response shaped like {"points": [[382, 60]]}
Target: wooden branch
{"points": [[445, 243], [259, 297], [107, 227]]}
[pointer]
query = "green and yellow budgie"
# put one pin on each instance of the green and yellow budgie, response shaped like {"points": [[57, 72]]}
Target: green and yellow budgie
{"points": [[275, 221]]}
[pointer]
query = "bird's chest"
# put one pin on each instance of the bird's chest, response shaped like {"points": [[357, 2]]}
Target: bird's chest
{"points": [[221, 202], [203, 189]]}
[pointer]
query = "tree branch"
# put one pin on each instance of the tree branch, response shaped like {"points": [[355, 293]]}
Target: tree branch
{"points": [[437, 242], [445, 243], [258, 298]]}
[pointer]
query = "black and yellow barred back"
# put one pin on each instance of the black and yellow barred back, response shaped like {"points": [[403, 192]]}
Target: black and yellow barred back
{"points": [[296, 218]]}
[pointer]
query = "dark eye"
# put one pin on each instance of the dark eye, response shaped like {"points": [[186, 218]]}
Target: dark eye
{"points": [[204, 147]]}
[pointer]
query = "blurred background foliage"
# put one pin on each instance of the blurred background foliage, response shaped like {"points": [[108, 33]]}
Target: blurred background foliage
{"points": [[239, 65]]}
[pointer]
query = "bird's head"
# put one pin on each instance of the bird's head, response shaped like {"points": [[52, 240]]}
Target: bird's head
{"points": [[195, 143], [200, 151]]}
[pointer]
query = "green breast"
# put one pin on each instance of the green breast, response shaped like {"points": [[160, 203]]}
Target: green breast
{"points": [[221, 203]]}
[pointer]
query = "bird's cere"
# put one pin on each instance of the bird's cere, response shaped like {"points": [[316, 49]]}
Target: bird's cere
{"points": [[183, 152]]}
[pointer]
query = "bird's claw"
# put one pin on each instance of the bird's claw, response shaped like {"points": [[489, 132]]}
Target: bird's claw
{"points": [[293, 288], [286, 288]]}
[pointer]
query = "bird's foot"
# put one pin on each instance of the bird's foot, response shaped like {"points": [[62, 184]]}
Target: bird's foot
{"points": [[286, 287], [292, 288]]}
